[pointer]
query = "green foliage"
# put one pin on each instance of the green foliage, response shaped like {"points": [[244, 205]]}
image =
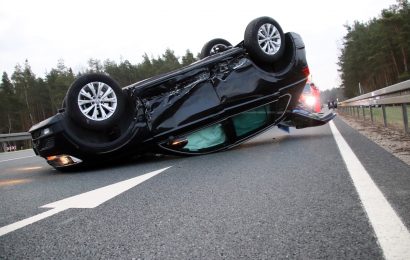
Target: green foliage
{"points": [[26, 99], [57, 82], [7, 105], [188, 58], [375, 53]]}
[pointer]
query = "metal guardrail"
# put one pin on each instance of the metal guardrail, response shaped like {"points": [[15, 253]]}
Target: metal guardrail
{"points": [[5, 140], [15, 137], [398, 94]]}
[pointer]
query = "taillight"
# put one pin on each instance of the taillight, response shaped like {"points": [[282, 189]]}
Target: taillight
{"points": [[310, 101], [306, 71]]}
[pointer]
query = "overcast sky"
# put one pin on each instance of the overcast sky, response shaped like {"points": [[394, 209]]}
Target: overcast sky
{"points": [[45, 31]]}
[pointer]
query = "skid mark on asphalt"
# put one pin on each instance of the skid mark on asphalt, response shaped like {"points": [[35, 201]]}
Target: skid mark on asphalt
{"points": [[90, 199], [393, 236], [12, 182]]}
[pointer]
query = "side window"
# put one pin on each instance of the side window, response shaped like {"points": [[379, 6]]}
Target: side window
{"points": [[230, 130], [204, 140], [250, 121]]}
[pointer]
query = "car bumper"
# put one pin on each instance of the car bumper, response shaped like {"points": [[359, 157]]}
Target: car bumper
{"points": [[51, 142]]}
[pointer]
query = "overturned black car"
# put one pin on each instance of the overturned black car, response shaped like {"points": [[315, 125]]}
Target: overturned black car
{"points": [[232, 94]]}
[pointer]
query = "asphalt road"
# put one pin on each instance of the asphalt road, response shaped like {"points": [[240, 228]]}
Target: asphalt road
{"points": [[277, 196]]}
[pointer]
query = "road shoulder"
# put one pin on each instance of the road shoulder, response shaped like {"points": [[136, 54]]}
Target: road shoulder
{"points": [[392, 140]]}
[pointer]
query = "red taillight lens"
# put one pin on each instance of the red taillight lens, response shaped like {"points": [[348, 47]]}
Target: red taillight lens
{"points": [[306, 71]]}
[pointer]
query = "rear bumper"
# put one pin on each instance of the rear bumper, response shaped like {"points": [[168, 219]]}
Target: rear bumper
{"points": [[300, 118]]}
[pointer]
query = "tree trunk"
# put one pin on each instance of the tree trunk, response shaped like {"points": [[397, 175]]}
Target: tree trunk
{"points": [[44, 114], [403, 52], [396, 67], [28, 108], [385, 78], [9, 120]]}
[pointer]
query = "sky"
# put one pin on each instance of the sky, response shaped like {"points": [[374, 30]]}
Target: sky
{"points": [[46, 31]]}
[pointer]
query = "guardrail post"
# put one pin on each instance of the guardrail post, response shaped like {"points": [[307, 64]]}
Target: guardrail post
{"points": [[405, 119], [395, 95], [371, 114], [384, 115]]}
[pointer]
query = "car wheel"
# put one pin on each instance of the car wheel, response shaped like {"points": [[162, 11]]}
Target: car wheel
{"points": [[264, 40], [214, 46], [95, 101]]}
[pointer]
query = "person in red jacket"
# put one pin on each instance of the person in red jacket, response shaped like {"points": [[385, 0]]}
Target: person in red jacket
{"points": [[310, 98]]}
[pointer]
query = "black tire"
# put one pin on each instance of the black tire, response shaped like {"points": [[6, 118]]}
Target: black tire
{"points": [[107, 112], [271, 49], [214, 46]]}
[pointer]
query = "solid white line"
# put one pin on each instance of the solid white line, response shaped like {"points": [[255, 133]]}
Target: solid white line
{"points": [[18, 158], [89, 199], [392, 234], [28, 221]]}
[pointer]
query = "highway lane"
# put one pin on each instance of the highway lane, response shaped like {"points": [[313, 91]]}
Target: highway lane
{"points": [[12, 156], [278, 195]]}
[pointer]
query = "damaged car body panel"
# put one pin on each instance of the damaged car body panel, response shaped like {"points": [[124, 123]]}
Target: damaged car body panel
{"points": [[211, 105], [228, 85]]}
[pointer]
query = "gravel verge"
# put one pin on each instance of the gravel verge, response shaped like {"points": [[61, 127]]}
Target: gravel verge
{"points": [[391, 139]]}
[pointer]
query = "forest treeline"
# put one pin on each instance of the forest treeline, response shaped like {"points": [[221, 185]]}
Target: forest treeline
{"points": [[375, 53], [26, 99]]}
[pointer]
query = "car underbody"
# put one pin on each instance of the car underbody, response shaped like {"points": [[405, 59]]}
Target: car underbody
{"points": [[211, 105]]}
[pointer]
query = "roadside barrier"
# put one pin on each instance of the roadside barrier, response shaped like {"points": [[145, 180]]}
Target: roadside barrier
{"points": [[390, 104]]}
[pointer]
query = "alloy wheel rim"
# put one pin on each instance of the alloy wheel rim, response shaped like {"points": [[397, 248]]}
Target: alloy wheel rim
{"points": [[97, 101], [269, 39]]}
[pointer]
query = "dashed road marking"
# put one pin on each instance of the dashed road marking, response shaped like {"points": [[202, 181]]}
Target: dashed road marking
{"points": [[13, 159]]}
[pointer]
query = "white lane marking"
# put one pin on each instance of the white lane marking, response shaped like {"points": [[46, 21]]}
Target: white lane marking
{"points": [[392, 234], [90, 199], [22, 223], [17, 158], [96, 197]]}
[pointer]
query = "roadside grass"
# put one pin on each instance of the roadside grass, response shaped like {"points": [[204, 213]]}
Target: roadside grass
{"points": [[394, 115]]}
